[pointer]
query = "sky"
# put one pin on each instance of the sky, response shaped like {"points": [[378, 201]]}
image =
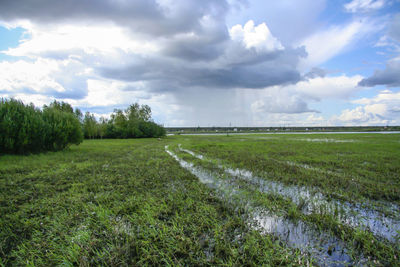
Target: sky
{"points": [[210, 62]]}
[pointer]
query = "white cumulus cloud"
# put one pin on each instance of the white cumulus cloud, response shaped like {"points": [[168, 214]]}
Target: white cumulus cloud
{"points": [[43, 76], [341, 86], [384, 108], [258, 36]]}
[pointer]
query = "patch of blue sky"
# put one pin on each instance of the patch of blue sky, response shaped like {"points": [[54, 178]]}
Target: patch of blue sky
{"points": [[335, 13], [391, 7], [158, 118], [101, 109], [10, 38], [331, 107], [363, 59]]}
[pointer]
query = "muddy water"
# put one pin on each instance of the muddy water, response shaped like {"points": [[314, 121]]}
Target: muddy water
{"points": [[326, 249], [312, 201]]}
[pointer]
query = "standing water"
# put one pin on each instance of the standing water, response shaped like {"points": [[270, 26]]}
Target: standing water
{"points": [[313, 201], [325, 248]]}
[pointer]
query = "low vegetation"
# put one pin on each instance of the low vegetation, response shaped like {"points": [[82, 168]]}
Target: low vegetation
{"points": [[358, 176], [121, 202], [349, 166], [205, 200]]}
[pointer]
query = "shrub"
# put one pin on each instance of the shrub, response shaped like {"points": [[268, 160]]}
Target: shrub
{"points": [[62, 129], [26, 129]]}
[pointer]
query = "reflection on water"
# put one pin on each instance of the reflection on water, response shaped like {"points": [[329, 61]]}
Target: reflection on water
{"points": [[312, 201], [326, 249]]}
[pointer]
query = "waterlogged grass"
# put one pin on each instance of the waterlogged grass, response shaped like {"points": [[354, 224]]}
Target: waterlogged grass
{"points": [[123, 202], [356, 166], [358, 169], [128, 202]]}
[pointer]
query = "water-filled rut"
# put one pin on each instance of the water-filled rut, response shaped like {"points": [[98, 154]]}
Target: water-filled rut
{"points": [[324, 247], [313, 201]]}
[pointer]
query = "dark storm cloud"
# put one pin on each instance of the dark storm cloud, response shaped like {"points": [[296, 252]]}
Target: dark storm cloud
{"points": [[195, 48], [205, 45], [145, 16], [315, 73], [389, 76], [268, 69], [73, 93]]}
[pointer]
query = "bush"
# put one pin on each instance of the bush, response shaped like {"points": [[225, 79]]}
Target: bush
{"points": [[26, 129], [150, 129], [62, 129]]}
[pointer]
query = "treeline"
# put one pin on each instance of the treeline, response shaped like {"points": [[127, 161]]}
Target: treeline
{"points": [[134, 122], [27, 129]]}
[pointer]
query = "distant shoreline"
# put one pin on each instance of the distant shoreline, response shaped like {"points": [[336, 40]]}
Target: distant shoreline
{"points": [[310, 132], [272, 130]]}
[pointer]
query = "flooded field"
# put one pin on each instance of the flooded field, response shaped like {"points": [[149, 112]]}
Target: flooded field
{"points": [[325, 248], [261, 200], [312, 200], [322, 204]]}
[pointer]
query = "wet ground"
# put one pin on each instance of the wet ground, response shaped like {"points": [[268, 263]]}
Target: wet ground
{"points": [[325, 248]]}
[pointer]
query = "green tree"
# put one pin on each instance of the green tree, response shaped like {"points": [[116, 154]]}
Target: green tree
{"points": [[133, 122], [120, 122], [61, 106], [89, 125], [102, 127], [136, 112]]}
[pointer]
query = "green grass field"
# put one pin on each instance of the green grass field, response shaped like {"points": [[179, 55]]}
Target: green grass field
{"points": [[205, 200]]}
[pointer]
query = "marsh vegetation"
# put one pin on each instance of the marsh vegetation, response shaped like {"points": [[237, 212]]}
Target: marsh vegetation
{"points": [[205, 200]]}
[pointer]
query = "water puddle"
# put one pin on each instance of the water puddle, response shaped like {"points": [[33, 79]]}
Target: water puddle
{"points": [[309, 200], [326, 249], [308, 167]]}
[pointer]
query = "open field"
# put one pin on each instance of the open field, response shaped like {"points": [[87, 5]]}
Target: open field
{"points": [[205, 200]]}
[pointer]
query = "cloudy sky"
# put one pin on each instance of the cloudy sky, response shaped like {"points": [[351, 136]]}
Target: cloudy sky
{"points": [[208, 62]]}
